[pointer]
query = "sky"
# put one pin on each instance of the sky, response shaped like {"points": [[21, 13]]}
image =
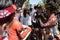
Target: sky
{"points": [[35, 1]]}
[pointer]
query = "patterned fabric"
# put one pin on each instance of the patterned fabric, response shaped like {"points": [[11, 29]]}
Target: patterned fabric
{"points": [[51, 20], [10, 9], [4, 13]]}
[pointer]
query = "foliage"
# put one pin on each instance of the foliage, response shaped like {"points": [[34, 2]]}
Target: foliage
{"points": [[27, 4]]}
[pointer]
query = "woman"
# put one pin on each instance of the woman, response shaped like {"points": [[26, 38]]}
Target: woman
{"points": [[26, 17], [51, 24], [18, 13], [9, 23], [36, 24]]}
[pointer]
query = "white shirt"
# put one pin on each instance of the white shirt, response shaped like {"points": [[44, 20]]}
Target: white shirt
{"points": [[29, 21]]}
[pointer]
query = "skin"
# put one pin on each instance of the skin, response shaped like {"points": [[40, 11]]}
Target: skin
{"points": [[14, 6]]}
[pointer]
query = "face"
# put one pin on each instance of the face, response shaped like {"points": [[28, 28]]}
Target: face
{"points": [[39, 10]]}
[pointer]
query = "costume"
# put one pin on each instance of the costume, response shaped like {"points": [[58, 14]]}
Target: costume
{"points": [[15, 26]]}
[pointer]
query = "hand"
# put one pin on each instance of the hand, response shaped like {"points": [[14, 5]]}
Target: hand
{"points": [[42, 25]]}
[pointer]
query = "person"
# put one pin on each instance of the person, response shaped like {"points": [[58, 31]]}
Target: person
{"points": [[51, 24], [47, 1], [32, 12], [9, 23], [25, 18], [4, 4], [18, 13], [29, 20], [36, 24]]}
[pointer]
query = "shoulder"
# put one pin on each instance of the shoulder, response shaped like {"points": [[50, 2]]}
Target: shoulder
{"points": [[16, 22]]}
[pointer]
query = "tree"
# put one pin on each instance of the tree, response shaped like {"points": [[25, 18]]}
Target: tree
{"points": [[20, 2], [58, 1], [27, 4], [44, 1], [30, 5]]}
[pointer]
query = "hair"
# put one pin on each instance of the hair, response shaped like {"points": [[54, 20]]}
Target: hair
{"points": [[30, 9], [5, 3], [18, 10], [7, 19], [25, 11], [28, 13], [50, 7], [35, 7], [39, 6], [50, 0]]}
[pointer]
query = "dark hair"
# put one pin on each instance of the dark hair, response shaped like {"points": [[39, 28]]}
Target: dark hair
{"points": [[5, 3], [7, 19], [25, 11], [47, 1], [28, 13], [50, 7], [30, 9], [35, 7], [39, 6], [18, 10]]}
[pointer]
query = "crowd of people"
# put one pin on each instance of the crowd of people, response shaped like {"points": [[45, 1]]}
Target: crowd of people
{"points": [[43, 22], [16, 23]]}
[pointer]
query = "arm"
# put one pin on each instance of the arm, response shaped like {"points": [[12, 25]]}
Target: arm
{"points": [[25, 32], [49, 23], [22, 32]]}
